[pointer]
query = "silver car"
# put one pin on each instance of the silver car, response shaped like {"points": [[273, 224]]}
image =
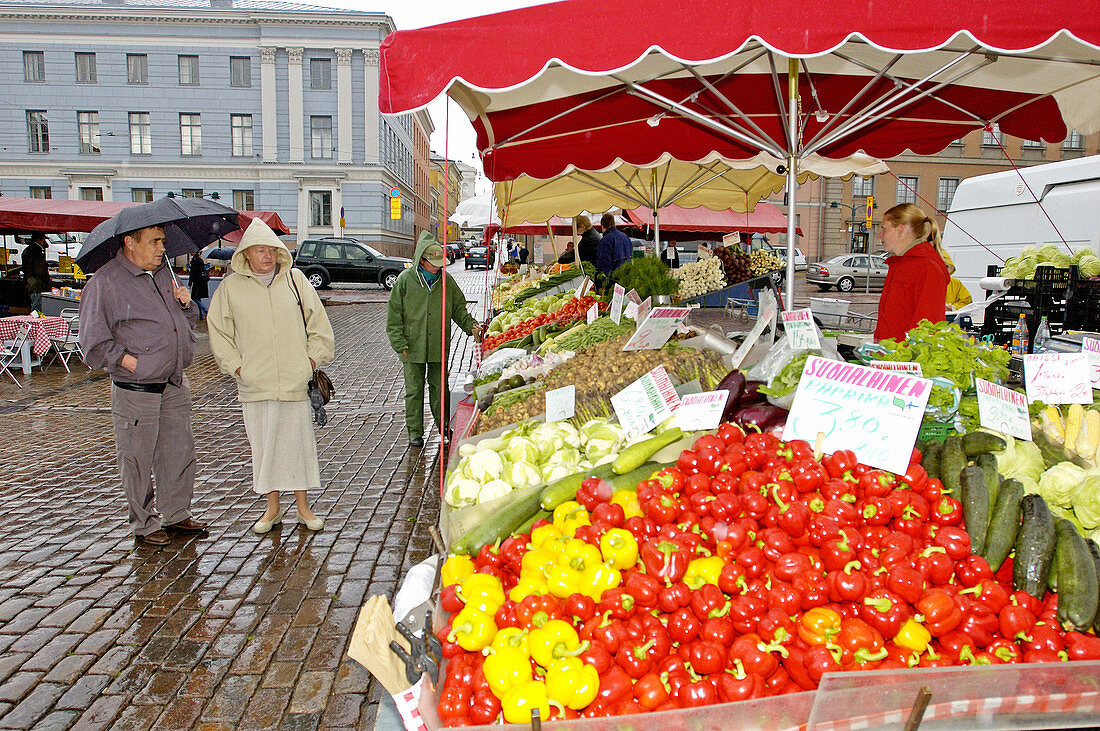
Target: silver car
{"points": [[846, 271]]}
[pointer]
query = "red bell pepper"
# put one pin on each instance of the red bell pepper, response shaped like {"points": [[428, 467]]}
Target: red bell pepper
{"points": [[537, 609], [454, 704], [934, 565], [610, 633], [484, 707], [837, 552], [755, 654], [650, 691], [813, 588], [941, 612], [684, 626], [615, 686], [610, 515], [598, 656], [664, 559], [645, 589], [1015, 621], [1045, 636], [449, 599], [876, 483], [848, 585], [1080, 646], [906, 582], [697, 692], [581, 607], [840, 462], [875, 510], [707, 657], [885, 611], [860, 643], [776, 627], [737, 685], [979, 622], [746, 611], [673, 597], [822, 659], [616, 603], [946, 511], [915, 477], [972, 570], [1006, 651], [989, 594]]}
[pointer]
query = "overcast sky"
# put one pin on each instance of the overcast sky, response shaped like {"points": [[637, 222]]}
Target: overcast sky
{"points": [[417, 14]]}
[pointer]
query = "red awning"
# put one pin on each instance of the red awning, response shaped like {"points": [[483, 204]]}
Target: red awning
{"points": [[766, 219], [54, 214], [271, 218]]}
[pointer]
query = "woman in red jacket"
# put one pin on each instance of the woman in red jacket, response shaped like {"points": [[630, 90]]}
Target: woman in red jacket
{"points": [[916, 285]]}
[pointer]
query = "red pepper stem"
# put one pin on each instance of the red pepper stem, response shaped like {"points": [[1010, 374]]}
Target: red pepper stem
{"points": [[783, 507], [880, 604], [739, 672], [852, 566], [578, 650], [715, 613], [774, 647], [975, 590], [863, 655], [932, 549], [640, 651]]}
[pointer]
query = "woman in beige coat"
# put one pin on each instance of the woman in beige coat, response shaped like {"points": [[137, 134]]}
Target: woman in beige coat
{"points": [[269, 330]]}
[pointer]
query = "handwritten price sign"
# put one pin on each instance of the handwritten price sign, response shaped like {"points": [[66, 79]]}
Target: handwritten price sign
{"points": [[701, 411], [646, 403], [874, 413], [561, 403], [617, 304], [801, 330], [1002, 409], [657, 328], [1058, 378]]}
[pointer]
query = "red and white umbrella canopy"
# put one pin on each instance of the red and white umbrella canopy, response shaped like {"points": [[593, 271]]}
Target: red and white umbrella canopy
{"points": [[696, 77]]}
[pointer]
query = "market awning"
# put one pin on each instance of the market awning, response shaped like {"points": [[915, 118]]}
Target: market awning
{"points": [[271, 218], [766, 219], [54, 214]]}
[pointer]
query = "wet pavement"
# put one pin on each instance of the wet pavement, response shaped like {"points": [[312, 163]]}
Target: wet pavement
{"points": [[228, 630]]}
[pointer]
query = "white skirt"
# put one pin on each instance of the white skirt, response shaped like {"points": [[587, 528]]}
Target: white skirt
{"points": [[284, 448]]}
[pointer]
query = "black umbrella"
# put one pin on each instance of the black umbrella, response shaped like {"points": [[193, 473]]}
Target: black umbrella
{"points": [[189, 224]]}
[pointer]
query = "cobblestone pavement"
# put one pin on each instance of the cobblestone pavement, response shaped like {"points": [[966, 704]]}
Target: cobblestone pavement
{"points": [[230, 630]]}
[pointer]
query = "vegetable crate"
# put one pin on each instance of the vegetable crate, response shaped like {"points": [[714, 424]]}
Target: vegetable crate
{"points": [[1083, 305], [1045, 296], [746, 290], [936, 430]]}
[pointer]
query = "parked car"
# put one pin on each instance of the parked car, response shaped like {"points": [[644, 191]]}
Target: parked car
{"points": [[846, 271], [454, 251], [332, 259], [799, 257], [478, 256]]}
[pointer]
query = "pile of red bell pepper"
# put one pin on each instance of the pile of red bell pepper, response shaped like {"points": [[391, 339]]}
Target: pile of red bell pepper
{"points": [[760, 568], [574, 309]]}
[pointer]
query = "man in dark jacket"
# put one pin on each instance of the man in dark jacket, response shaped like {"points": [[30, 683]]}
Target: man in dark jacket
{"points": [[35, 270], [199, 281], [615, 248]]}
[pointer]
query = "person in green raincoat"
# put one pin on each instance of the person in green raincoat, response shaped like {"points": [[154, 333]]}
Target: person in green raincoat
{"points": [[413, 317]]}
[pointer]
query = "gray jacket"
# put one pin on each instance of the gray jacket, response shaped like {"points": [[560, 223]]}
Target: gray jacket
{"points": [[126, 310]]}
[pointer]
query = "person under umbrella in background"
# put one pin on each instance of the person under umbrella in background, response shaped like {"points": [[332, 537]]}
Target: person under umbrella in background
{"points": [[199, 281], [135, 323], [35, 270], [589, 244], [615, 250]]}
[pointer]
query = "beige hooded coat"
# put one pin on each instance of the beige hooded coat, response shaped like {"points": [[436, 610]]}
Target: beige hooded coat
{"points": [[259, 328]]}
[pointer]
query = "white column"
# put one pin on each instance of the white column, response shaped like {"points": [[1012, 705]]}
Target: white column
{"points": [[343, 105], [295, 107], [370, 105], [303, 213], [337, 204], [268, 106]]}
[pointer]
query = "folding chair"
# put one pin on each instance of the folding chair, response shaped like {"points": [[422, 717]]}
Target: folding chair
{"points": [[68, 346], [12, 351]]}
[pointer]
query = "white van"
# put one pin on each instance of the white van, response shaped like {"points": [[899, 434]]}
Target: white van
{"points": [[1000, 213]]}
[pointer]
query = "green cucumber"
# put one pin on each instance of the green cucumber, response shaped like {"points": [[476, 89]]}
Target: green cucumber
{"points": [[1034, 547], [988, 463], [540, 515], [930, 459], [630, 480], [1094, 551], [1077, 589], [952, 462], [1004, 524], [565, 488], [636, 454], [975, 504], [505, 521], [980, 442]]}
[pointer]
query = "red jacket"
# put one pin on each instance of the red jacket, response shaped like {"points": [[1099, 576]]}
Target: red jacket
{"points": [[915, 290]]}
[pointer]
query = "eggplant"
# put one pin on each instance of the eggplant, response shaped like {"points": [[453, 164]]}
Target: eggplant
{"points": [[734, 383], [763, 415], [751, 394]]}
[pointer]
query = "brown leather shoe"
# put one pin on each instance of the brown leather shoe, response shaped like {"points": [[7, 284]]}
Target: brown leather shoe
{"points": [[156, 538], [187, 525]]}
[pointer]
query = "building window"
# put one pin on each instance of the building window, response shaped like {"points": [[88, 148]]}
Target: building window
{"points": [[992, 137], [137, 68], [85, 68], [240, 71], [241, 126], [945, 191], [34, 66], [862, 187], [1073, 141], [320, 73], [38, 131], [244, 200], [320, 129], [141, 139], [907, 189], [1033, 144], [189, 70], [87, 125], [959, 142], [41, 191], [141, 195], [91, 194], [190, 134], [320, 208], [191, 192]]}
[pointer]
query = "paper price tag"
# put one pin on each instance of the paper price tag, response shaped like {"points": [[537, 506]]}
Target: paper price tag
{"points": [[644, 308], [900, 366], [657, 328], [1058, 378], [874, 413], [593, 313], [1002, 409], [701, 411], [633, 296], [646, 403], [561, 403], [617, 304], [801, 330], [1091, 348]]}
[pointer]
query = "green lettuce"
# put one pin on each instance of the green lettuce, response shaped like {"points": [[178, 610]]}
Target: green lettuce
{"points": [[1059, 483]]}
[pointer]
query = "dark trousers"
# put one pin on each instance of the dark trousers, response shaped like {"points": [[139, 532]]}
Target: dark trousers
{"points": [[414, 396]]}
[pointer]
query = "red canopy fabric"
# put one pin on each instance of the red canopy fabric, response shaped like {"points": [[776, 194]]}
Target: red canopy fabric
{"points": [[766, 219], [271, 218], [54, 214]]}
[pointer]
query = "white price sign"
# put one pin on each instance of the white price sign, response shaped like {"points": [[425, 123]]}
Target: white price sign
{"points": [[561, 403], [801, 330], [1091, 348], [874, 413], [593, 313], [899, 366], [617, 304], [657, 328], [643, 309], [646, 403], [1058, 378], [633, 296], [1002, 409], [701, 411]]}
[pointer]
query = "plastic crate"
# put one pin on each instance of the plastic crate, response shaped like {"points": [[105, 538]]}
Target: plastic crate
{"points": [[936, 430], [1083, 304]]}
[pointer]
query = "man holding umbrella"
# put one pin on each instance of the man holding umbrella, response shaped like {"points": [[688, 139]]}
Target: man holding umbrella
{"points": [[135, 323]]}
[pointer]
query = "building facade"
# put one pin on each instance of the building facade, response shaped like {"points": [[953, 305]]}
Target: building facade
{"points": [[269, 105], [446, 183]]}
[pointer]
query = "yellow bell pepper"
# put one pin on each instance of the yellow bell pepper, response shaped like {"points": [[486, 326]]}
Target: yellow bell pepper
{"points": [[530, 583], [545, 534], [520, 701], [913, 636], [619, 548], [505, 669], [537, 561], [580, 555], [599, 578], [703, 571], [483, 592], [511, 638], [563, 580], [472, 629], [569, 516], [456, 568], [554, 640], [572, 683], [628, 501]]}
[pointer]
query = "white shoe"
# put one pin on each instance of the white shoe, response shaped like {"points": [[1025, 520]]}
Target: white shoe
{"points": [[265, 526], [316, 524]]}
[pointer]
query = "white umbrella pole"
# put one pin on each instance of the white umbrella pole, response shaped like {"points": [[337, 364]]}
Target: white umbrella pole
{"points": [[656, 213], [792, 176]]}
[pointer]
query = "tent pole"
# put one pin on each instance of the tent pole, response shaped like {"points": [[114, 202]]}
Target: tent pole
{"points": [[656, 213], [792, 176], [553, 246]]}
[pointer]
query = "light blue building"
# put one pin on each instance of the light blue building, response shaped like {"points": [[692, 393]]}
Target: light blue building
{"points": [[271, 105]]}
